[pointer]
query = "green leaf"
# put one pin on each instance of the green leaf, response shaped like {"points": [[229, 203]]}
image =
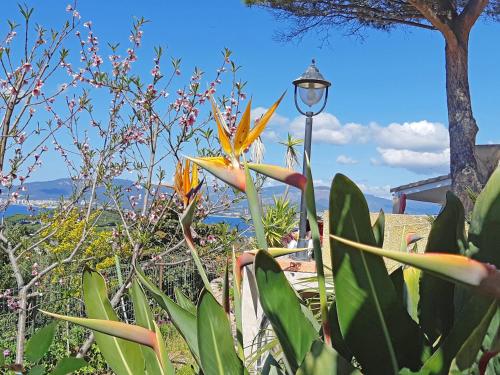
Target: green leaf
{"points": [[397, 278], [322, 359], [123, 356], [412, 284], [318, 256], [338, 341], [237, 306], [144, 318], [372, 319], [294, 331], [436, 308], [183, 320], [379, 229], [271, 366], [67, 365], [215, 341], [255, 210], [484, 231], [468, 352], [37, 370], [184, 301], [2, 359], [40, 342], [225, 290], [186, 220], [477, 312]]}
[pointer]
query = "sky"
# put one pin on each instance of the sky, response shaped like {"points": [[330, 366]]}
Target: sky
{"points": [[385, 123]]}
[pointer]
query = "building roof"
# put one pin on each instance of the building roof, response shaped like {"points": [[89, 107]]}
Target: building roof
{"points": [[420, 183]]}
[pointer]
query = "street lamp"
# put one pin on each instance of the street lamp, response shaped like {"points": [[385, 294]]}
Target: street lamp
{"points": [[312, 87]]}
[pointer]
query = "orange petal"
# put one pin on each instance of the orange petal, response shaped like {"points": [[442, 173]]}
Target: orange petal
{"points": [[221, 168], [221, 129], [185, 180], [261, 124], [242, 131], [178, 178], [288, 176]]}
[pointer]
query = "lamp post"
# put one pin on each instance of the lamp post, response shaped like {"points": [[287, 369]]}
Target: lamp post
{"points": [[311, 87]]}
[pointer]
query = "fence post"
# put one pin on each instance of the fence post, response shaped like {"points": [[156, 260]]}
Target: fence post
{"points": [[160, 278]]}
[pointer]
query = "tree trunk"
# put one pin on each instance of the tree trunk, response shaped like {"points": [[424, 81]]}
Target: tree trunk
{"points": [[462, 125], [21, 325]]}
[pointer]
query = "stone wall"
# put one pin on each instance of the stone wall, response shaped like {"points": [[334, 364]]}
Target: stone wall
{"points": [[396, 228]]}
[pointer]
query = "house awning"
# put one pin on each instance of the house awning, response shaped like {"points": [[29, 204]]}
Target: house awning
{"points": [[429, 190]]}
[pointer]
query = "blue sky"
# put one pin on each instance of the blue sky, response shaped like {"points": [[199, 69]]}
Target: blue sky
{"points": [[385, 122]]}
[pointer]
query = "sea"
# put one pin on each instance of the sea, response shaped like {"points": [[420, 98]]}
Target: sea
{"points": [[234, 222]]}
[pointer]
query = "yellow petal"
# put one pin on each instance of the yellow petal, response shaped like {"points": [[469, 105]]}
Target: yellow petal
{"points": [[242, 131], [221, 168], [261, 124], [223, 133], [194, 177]]}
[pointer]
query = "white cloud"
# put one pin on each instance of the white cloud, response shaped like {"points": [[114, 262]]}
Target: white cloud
{"points": [[415, 161], [417, 136], [328, 129], [347, 160], [378, 191], [276, 119], [270, 135], [320, 182]]}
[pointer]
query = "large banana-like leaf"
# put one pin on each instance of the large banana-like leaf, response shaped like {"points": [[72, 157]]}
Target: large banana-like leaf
{"points": [[379, 229], [183, 320], [457, 268], [186, 220], [183, 301], [255, 210], [120, 332], [338, 341], [216, 345], [484, 230], [322, 359], [155, 364], [476, 314], [412, 276], [238, 317], [271, 366], [124, 357], [283, 309], [435, 308], [318, 254], [373, 321]]}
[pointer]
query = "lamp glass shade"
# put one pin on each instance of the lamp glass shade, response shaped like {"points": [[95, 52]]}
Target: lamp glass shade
{"points": [[310, 95]]}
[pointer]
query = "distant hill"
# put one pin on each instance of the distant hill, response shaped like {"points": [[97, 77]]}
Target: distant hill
{"points": [[63, 187], [375, 204]]}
